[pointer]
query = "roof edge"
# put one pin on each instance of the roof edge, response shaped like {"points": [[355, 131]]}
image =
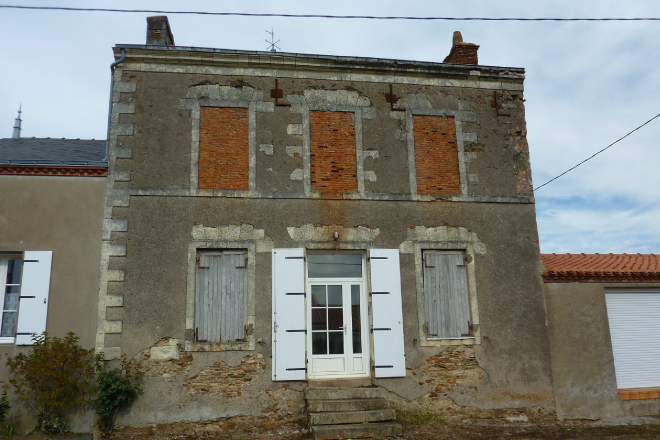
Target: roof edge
{"points": [[583, 276], [54, 170], [293, 61]]}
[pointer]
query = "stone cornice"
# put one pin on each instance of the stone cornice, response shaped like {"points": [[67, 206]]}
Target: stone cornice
{"points": [[193, 56]]}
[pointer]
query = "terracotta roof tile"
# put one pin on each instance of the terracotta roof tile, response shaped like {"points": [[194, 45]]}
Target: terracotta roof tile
{"points": [[601, 267]]}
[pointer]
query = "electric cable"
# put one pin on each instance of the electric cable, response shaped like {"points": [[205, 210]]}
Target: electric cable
{"points": [[596, 154], [366, 17]]}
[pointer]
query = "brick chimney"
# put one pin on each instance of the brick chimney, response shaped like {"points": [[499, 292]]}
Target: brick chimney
{"points": [[462, 53], [159, 32]]}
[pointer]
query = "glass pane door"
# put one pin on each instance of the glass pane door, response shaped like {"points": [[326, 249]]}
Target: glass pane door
{"points": [[337, 317]]}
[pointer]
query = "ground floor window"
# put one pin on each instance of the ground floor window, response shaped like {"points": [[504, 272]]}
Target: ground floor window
{"points": [[447, 307], [222, 296], [24, 293], [10, 289], [634, 320]]}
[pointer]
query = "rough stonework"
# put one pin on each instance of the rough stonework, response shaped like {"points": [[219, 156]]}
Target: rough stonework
{"points": [[450, 368], [223, 380]]}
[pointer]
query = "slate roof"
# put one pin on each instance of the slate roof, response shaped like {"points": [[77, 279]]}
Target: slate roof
{"points": [[49, 151], [601, 268]]}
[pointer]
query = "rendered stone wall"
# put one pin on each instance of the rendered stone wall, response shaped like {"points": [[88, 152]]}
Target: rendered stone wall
{"points": [[158, 214]]}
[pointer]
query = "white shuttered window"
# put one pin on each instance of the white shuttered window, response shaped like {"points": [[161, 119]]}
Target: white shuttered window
{"points": [[446, 295], [634, 318], [222, 300], [24, 291], [289, 330]]}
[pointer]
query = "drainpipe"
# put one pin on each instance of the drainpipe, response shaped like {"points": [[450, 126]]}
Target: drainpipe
{"points": [[112, 89]]}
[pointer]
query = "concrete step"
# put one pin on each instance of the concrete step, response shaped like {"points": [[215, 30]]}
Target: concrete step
{"points": [[314, 406], [344, 393], [346, 417], [364, 430]]}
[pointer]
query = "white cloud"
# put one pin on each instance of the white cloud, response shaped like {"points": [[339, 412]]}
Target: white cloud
{"points": [[587, 85]]}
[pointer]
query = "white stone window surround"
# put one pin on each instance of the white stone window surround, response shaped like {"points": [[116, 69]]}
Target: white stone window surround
{"points": [[227, 97], [224, 237], [420, 105], [331, 101], [445, 238]]}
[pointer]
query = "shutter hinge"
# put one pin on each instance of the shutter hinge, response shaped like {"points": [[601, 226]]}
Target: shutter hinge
{"points": [[296, 369], [469, 333], [296, 331], [379, 293], [376, 258], [425, 265], [375, 329], [198, 266], [244, 264], [197, 336]]}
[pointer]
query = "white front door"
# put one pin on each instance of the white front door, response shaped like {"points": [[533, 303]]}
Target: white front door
{"points": [[337, 317]]}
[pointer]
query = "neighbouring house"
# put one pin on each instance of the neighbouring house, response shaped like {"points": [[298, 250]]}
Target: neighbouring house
{"points": [[604, 321], [277, 220], [51, 217]]}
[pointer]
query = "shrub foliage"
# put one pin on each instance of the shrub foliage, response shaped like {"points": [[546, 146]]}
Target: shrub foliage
{"points": [[56, 375], [117, 388]]}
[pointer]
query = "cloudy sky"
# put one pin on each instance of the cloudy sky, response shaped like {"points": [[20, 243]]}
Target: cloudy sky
{"points": [[588, 84]]}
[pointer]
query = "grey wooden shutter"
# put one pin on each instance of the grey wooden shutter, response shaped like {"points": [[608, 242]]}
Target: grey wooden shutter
{"points": [[389, 352], [289, 362], [446, 294], [33, 302], [221, 311]]}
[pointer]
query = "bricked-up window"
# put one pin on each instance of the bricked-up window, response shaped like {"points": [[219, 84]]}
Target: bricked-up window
{"points": [[222, 298], [333, 161], [436, 155], [446, 295], [223, 148]]}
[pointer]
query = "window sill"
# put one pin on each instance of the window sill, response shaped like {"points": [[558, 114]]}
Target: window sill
{"points": [[440, 342], [7, 341], [639, 393], [248, 345]]}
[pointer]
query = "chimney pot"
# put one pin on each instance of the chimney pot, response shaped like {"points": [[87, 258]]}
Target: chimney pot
{"points": [[159, 32]]}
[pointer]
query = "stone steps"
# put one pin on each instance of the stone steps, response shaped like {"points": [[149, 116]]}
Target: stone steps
{"points": [[314, 406], [346, 417], [366, 430], [350, 412]]}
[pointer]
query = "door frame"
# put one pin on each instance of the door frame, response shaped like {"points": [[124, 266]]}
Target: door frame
{"points": [[364, 318]]}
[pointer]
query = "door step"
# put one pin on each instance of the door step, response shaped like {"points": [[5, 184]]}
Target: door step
{"points": [[344, 413], [367, 430]]}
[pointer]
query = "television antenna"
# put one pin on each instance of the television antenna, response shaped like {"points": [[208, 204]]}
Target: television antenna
{"points": [[272, 45]]}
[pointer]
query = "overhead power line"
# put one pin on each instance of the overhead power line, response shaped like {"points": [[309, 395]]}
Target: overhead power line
{"points": [[365, 17], [596, 154]]}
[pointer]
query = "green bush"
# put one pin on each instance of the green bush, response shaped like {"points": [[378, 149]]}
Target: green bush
{"points": [[56, 375], [117, 388], [4, 406]]}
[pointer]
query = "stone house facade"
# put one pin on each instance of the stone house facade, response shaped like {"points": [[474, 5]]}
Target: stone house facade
{"points": [[274, 219]]}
